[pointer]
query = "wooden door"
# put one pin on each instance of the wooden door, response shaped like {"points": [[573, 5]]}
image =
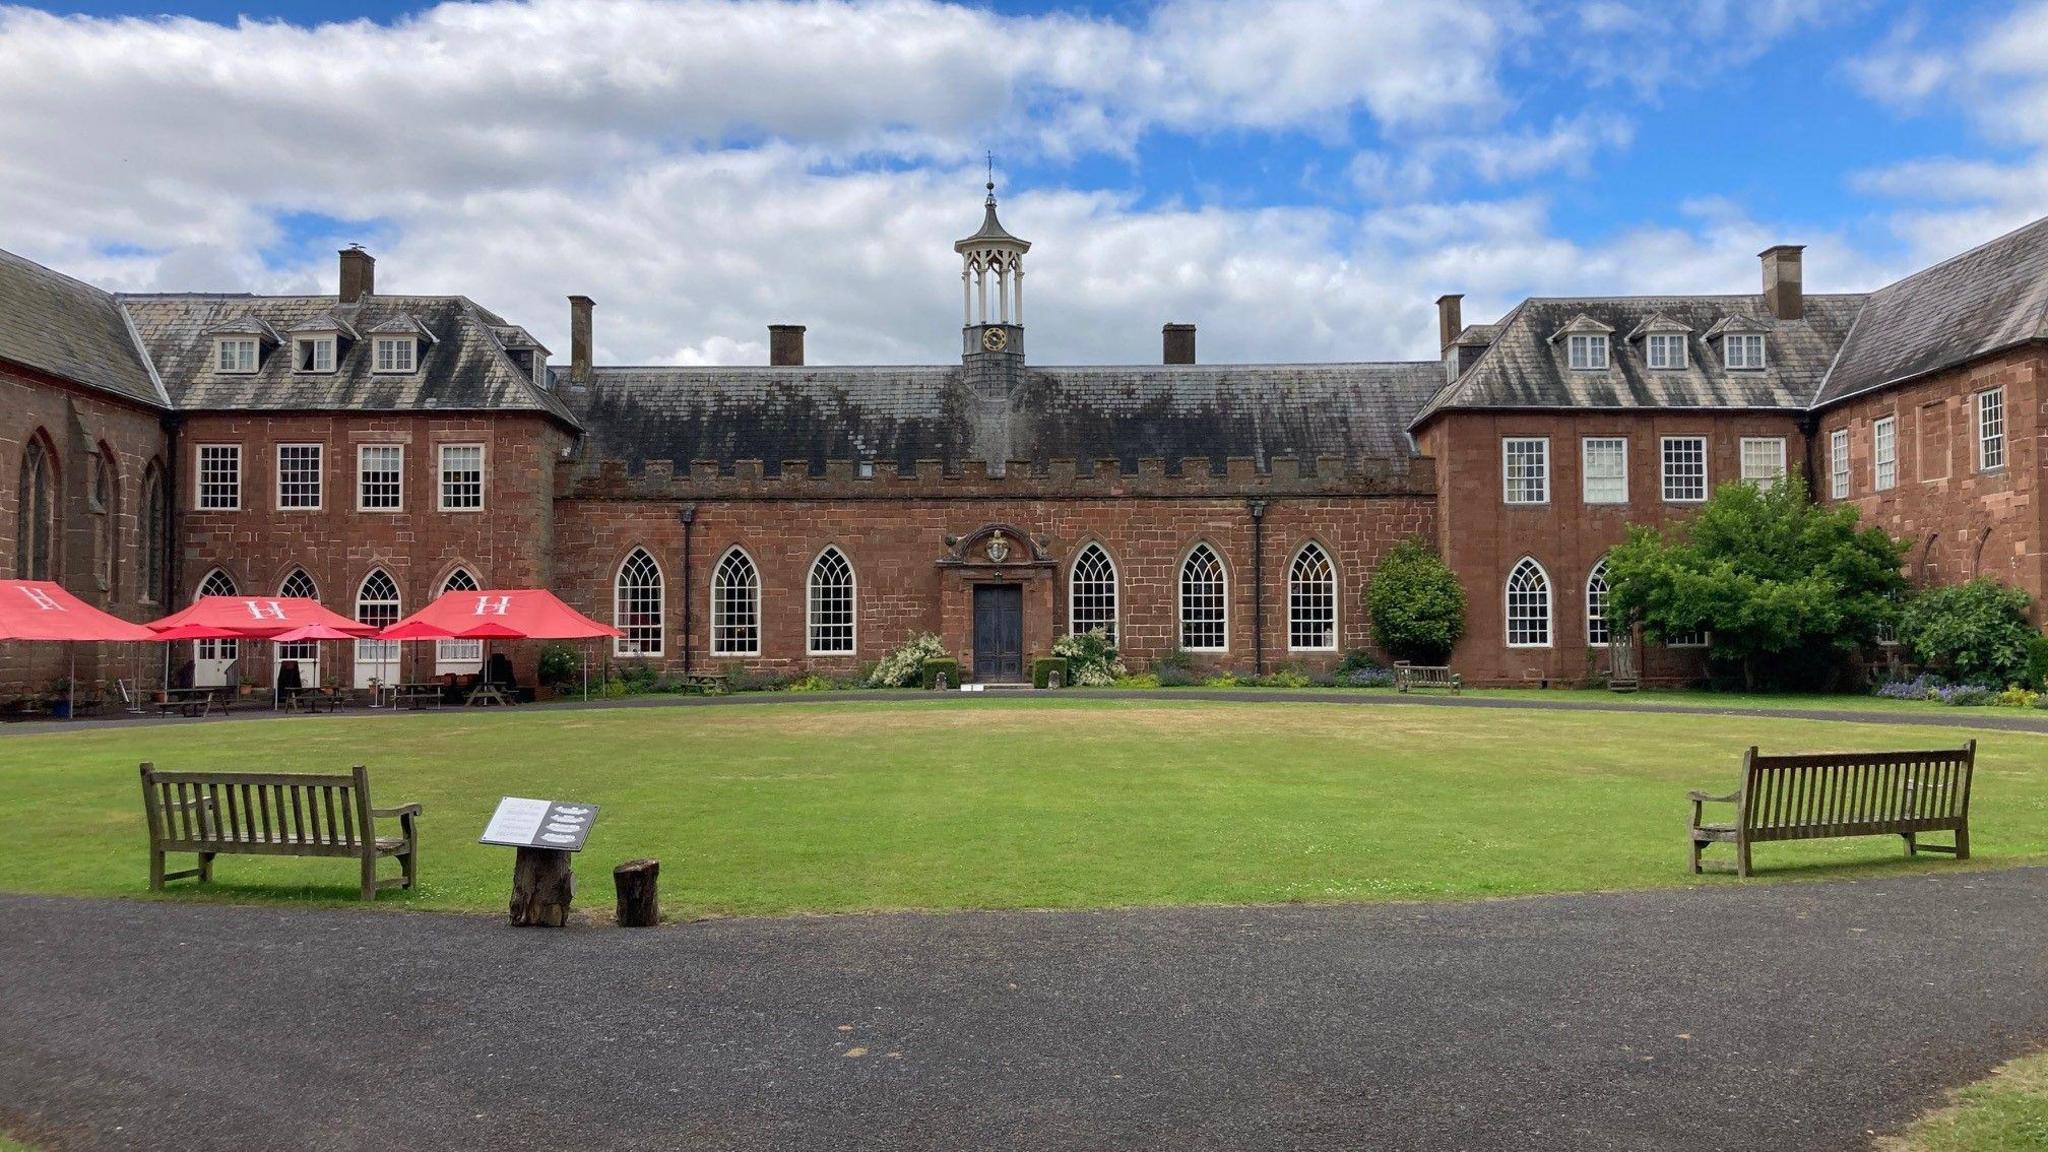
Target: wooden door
{"points": [[998, 632]]}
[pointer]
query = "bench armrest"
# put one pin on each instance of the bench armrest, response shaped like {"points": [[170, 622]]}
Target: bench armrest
{"points": [[394, 813], [1699, 797]]}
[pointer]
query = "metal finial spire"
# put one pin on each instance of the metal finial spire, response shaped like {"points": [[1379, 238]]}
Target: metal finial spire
{"points": [[991, 177]]}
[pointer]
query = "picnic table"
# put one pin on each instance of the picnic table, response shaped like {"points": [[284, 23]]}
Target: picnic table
{"points": [[190, 702], [486, 694], [310, 700], [416, 694]]}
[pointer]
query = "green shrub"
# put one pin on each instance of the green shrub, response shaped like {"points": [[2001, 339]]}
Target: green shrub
{"points": [[928, 675], [1043, 668], [903, 667], [637, 678], [812, 682], [1177, 659], [1976, 632], [1174, 676], [2017, 697], [1223, 680], [559, 664], [1416, 604], [1141, 680], [1284, 678], [1091, 659]]}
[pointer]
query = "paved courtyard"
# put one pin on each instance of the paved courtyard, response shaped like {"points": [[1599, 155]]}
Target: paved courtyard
{"points": [[1793, 1016]]}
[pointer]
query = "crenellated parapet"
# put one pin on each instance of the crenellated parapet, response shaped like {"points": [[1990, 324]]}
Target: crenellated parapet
{"points": [[1189, 476]]}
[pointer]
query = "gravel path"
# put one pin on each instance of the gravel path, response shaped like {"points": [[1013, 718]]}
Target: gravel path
{"points": [[1755, 1016]]}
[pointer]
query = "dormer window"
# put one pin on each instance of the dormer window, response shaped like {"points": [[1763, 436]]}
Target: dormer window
{"points": [[396, 354], [313, 353], [1588, 352], [1743, 350], [236, 354], [1664, 349]]}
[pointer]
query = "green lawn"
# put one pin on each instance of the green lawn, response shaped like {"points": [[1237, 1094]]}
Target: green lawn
{"points": [[2008, 1112], [847, 804]]}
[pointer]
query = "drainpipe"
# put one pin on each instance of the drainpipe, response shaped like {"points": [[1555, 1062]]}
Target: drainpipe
{"points": [[1258, 511], [688, 515]]}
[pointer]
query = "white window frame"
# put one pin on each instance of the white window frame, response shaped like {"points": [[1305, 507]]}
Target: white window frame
{"points": [[1596, 609], [1667, 343], [1664, 470], [811, 625], [379, 660], [626, 645], [441, 476], [1884, 453], [1749, 342], [363, 450], [1840, 483], [722, 645], [1758, 441], [1586, 477], [1702, 638], [249, 344], [1991, 447], [408, 344], [1586, 351], [456, 655], [199, 481], [319, 478], [1508, 479], [1295, 617], [1549, 605], [1093, 584], [1180, 597], [316, 343]]}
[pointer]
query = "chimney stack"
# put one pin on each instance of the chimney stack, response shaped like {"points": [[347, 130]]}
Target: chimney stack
{"points": [[579, 339], [358, 274], [785, 345], [1177, 344], [1450, 313], [1784, 288]]}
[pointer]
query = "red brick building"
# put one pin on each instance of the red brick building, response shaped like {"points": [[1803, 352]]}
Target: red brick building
{"points": [[376, 451]]}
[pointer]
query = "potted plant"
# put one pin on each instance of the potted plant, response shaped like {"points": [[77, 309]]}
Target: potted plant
{"points": [[60, 698]]}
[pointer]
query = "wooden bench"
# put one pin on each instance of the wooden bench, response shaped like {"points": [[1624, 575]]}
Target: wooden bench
{"points": [[1843, 794], [274, 814], [1407, 676]]}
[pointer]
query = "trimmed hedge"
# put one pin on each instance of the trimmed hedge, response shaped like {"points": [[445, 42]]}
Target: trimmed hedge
{"points": [[933, 669], [1043, 668]]}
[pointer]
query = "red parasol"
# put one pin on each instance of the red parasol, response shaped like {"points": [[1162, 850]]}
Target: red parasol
{"points": [[498, 614], [259, 617], [43, 610], [307, 632]]}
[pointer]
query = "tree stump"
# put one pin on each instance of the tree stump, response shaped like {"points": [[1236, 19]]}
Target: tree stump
{"points": [[636, 881], [542, 886]]}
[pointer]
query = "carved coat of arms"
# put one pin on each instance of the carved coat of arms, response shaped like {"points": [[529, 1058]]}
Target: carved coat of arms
{"points": [[998, 549]]}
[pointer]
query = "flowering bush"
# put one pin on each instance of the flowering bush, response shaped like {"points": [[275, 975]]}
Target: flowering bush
{"points": [[1367, 676], [1091, 659], [1966, 695], [1921, 687], [904, 667]]}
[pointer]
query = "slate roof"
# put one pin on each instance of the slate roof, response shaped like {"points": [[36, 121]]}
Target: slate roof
{"points": [[907, 414], [1987, 299], [1524, 368], [68, 328], [464, 369]]}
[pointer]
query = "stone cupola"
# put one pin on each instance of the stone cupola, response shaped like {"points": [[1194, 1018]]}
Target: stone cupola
{"points": [[992, 284]]}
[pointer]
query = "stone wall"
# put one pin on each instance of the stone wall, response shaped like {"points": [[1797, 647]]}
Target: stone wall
{"points": [[1484, 536], [1962, 521], [75, 423]]}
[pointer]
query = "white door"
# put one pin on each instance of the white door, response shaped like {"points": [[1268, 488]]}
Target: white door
{"points": [[213, 662], [377, 603]]}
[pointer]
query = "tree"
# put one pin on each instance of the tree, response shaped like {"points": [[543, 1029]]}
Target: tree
{"points": [[1977, 632], [1416, 604], [1786, 589]]}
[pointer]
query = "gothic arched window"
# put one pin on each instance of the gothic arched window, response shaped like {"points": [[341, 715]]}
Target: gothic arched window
{"points": [[1528, 605], [1204, 602], [35, 521], [458, 656], [377, 602], [154, 511], [1091, 594], [212, 657], [636, 606], [306, 653], [735, 606], [832, 605], [1596, 604], [1312, 601]]}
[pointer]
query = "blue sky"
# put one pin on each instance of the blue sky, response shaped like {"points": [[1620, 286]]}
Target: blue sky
{"points": [[1300, 178]]}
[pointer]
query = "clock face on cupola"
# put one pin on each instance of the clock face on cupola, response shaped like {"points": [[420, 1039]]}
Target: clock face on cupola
{"points": [[992, 286]]}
